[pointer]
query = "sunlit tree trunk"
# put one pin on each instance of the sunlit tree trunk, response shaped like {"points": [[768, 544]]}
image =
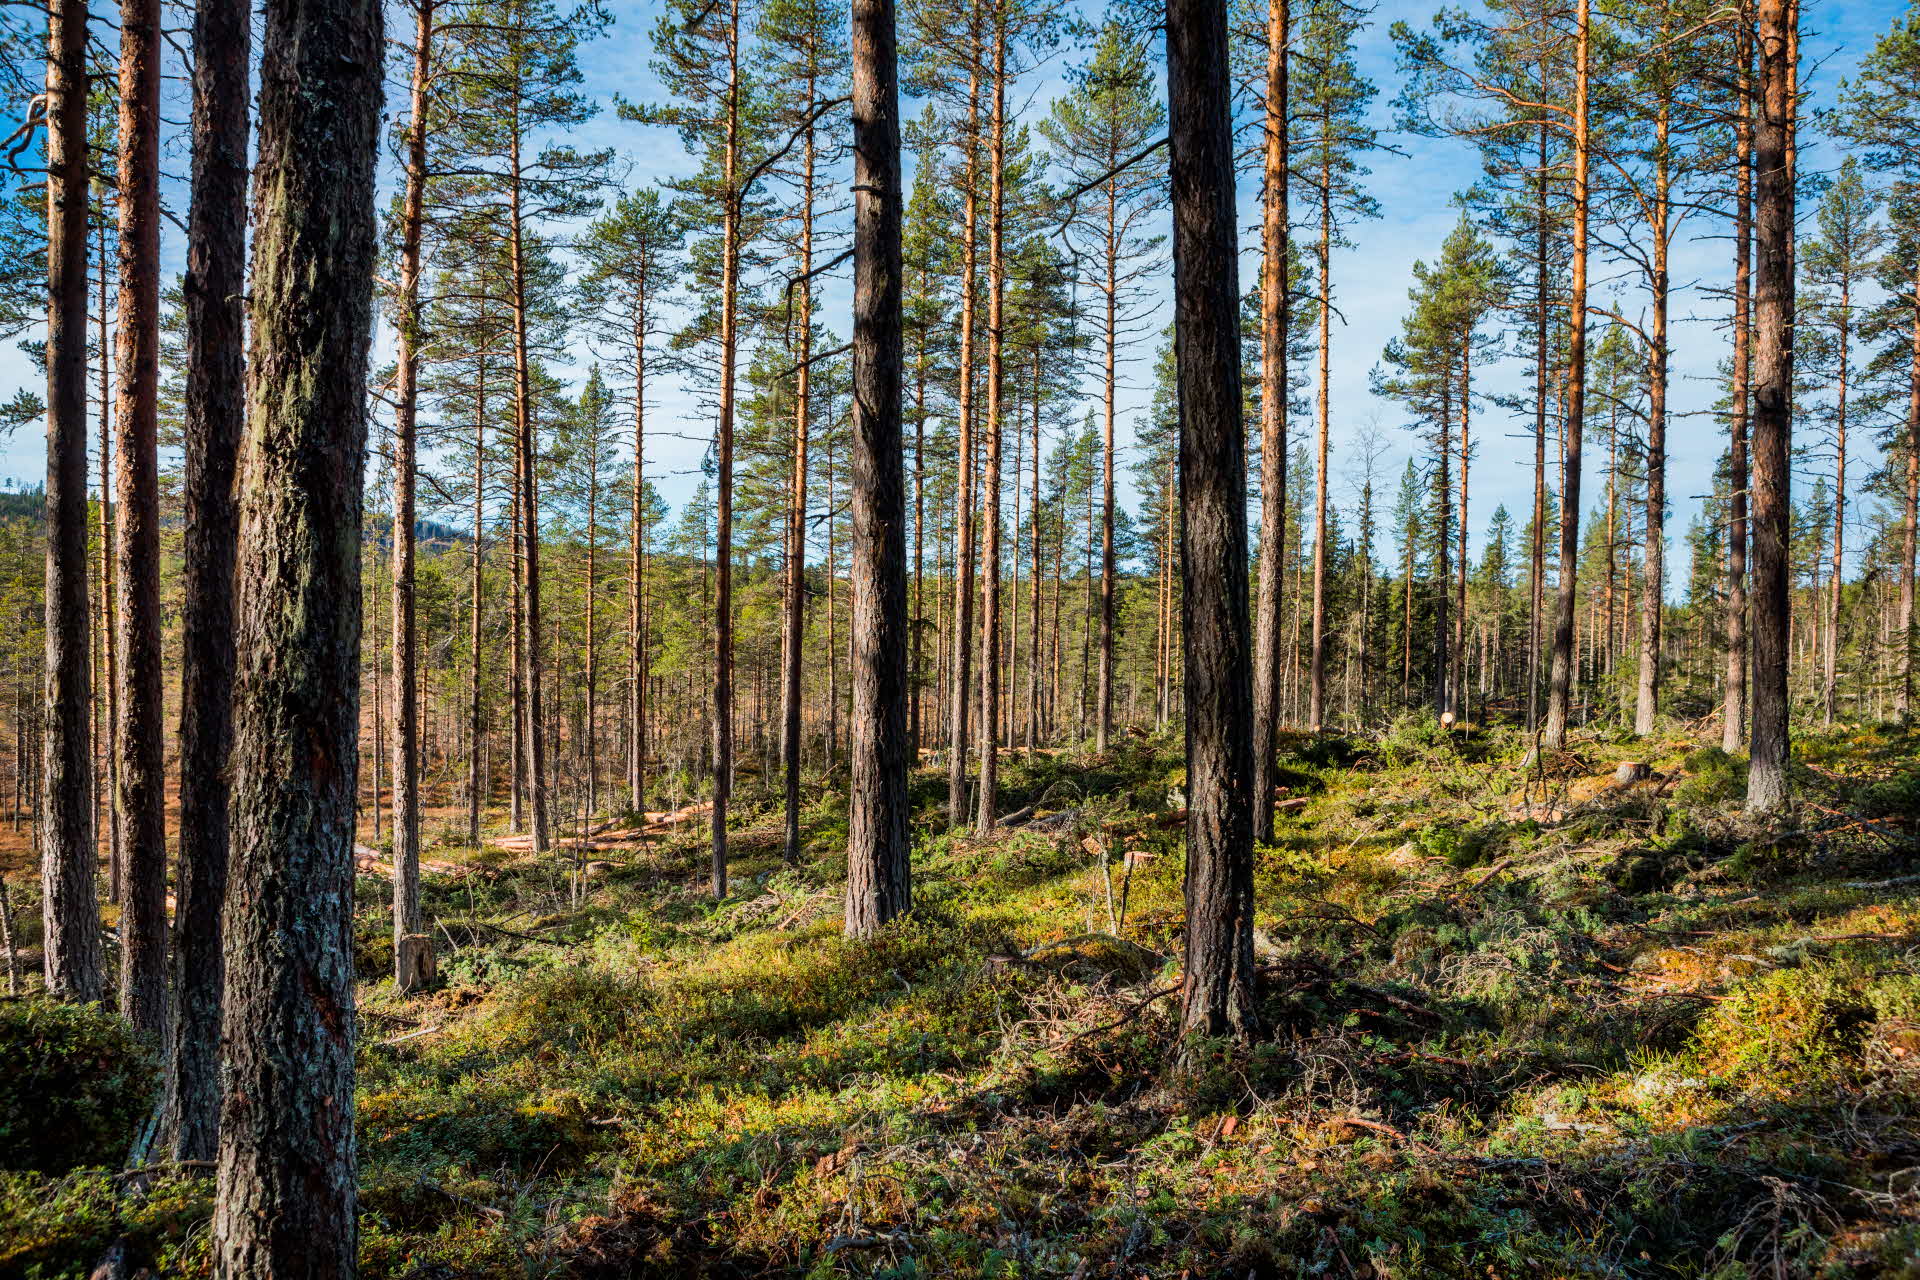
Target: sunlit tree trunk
{"points": [[1217, 992], [284, 1204]]}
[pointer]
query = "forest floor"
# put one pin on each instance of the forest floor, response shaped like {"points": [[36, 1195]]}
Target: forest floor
{"points": [[1521, 1022]]}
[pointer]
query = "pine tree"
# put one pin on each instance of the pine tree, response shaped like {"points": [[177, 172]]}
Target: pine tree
{"points": [[285, 1197], [214, 420], [1217, 994]]}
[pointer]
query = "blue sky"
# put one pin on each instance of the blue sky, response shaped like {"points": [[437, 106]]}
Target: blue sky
{"points": [[1414, 190]]}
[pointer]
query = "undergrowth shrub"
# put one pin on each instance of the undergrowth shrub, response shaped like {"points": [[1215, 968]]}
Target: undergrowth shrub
{"points": [[75, 1085]]}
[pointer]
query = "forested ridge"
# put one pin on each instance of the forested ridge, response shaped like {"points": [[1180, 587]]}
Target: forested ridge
{"points": [[811, 661]]}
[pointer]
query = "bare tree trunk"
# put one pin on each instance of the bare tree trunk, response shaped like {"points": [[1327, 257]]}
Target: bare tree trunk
{"points": [[1537, 550], [794, 640], [723, 440], [526, 444], [636, 582], [1830, 676], [1767, 784], [1317, 659], [961, 686], [878, 844], [1903, 693], [1654, 588], [69, 912], [1560, 679], [140, 733], [1267, 654], [479, 776], [1217, 994], [412, 948], [285, 1199], [105, 650], [1033, 536], [215, 418], [989, 726], [1733, 724]]}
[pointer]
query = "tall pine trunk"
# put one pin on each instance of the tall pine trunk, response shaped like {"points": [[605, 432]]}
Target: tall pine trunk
{"points": [[412, 949], [1218, 988], [878, 843], [1767, 787], [1561, 676], [990, 667], [215, 409], [140, 728], [1733, 723], [285, 1199], [794, 638], [1273, 428], [69, 913], [961, 685]]}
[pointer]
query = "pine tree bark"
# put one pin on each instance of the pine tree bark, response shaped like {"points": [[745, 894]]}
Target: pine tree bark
{"points": [[285, 1197], [878, 843], [215, 410], [989, 722], [1561, 676], [479, 777], [1830, 673], [140, 728], [1772, 512], [1910, 521], [1654, 588], [1217, 991], [1317, 639], [69, 912], [959, 698], [412, 948], [1274, 308], [794, 640], [636, 573], [723, 441], [533, 735], [1733, 722]]}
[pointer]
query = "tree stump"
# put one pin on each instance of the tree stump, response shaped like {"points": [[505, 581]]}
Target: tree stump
{"points": [[414, 968], [1630, 772]]}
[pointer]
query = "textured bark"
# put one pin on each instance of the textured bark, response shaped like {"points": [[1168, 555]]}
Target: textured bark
{"points": [[285, 1200], [1269, 642], [1767, 787], [140, 729], [70, 915], [878, 844], [533, 733], [1217, 993], [958, 700], [1830, 673], [1103, 695], [1653, 593], [1903, 692], [1323, 401], [996, 434], [1733, 723], [410, 969], [793, 630], [216, 409], [1560, 677], [636, 572], [478, 779], [1537, 548], [723, 449]]}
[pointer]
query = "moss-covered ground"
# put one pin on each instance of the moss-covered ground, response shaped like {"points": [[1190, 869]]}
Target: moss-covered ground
{"points": [[1522, 1021]]}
